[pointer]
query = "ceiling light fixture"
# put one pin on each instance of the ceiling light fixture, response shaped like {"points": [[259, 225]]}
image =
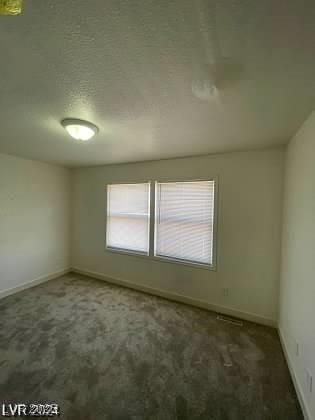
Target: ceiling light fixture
{"points": [[79, 129]]}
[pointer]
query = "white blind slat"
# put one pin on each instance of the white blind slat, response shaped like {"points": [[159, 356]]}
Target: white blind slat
{"points": [[185, 219], [128, 217]]}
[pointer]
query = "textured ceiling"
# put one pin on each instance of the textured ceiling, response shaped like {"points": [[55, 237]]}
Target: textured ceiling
{"points": [[128, 67]]}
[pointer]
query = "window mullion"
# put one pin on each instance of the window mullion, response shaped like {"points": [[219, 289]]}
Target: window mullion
{"points": [[152, 218]]}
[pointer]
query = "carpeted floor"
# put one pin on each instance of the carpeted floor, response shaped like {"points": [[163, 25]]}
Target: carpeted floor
{"points": [[105, 352]]}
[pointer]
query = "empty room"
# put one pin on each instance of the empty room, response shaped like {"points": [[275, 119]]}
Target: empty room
{"points": [[157, 209]]}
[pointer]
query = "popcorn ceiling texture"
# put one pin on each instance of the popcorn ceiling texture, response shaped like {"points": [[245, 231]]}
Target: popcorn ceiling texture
{"points": [[104, 352], [128, 67]]}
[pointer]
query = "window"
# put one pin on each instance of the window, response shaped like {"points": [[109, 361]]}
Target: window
{"points": [[185, 221], [128, 217], [182, 220]]}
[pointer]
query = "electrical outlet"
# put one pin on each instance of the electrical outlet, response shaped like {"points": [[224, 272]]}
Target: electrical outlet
{"points": [[309, 382], [297, 349]]}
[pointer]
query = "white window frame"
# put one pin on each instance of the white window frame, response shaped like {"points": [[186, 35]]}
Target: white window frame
{"points": [[152, 226]]}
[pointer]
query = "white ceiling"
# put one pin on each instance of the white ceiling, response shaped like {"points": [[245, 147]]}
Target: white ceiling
{"points": [[128, 66]]}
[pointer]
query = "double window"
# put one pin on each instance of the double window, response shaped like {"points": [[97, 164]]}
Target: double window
{"points": [[181, 219]]}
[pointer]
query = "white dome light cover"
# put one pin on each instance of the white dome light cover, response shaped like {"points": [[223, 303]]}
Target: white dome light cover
{"points": [[79, 129]]}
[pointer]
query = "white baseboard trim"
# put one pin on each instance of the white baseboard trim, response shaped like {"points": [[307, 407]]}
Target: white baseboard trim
{"points": [[178, 298], [32, 283], [297, 385]]}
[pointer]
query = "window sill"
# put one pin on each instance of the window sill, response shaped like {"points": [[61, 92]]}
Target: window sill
{"points": [[162, 259], [127, 252], [185, 262]]}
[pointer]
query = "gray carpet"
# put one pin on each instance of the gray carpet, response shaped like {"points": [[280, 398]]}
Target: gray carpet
{"points": [[105, 352]]}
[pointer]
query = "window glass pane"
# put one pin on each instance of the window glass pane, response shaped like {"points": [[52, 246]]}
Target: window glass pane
{"points": [[184, 220], [128, 217]]}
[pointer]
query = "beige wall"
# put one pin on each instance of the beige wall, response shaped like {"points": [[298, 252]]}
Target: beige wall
{"points": [[248, 254], [297, 298], [34, 221]]}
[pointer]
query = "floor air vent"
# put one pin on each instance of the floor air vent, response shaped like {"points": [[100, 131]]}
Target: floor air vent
{"points": [[230, 320]]}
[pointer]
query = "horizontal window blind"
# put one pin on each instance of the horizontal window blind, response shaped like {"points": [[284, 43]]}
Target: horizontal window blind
{"points": [[185, 220], [128, 217]]}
